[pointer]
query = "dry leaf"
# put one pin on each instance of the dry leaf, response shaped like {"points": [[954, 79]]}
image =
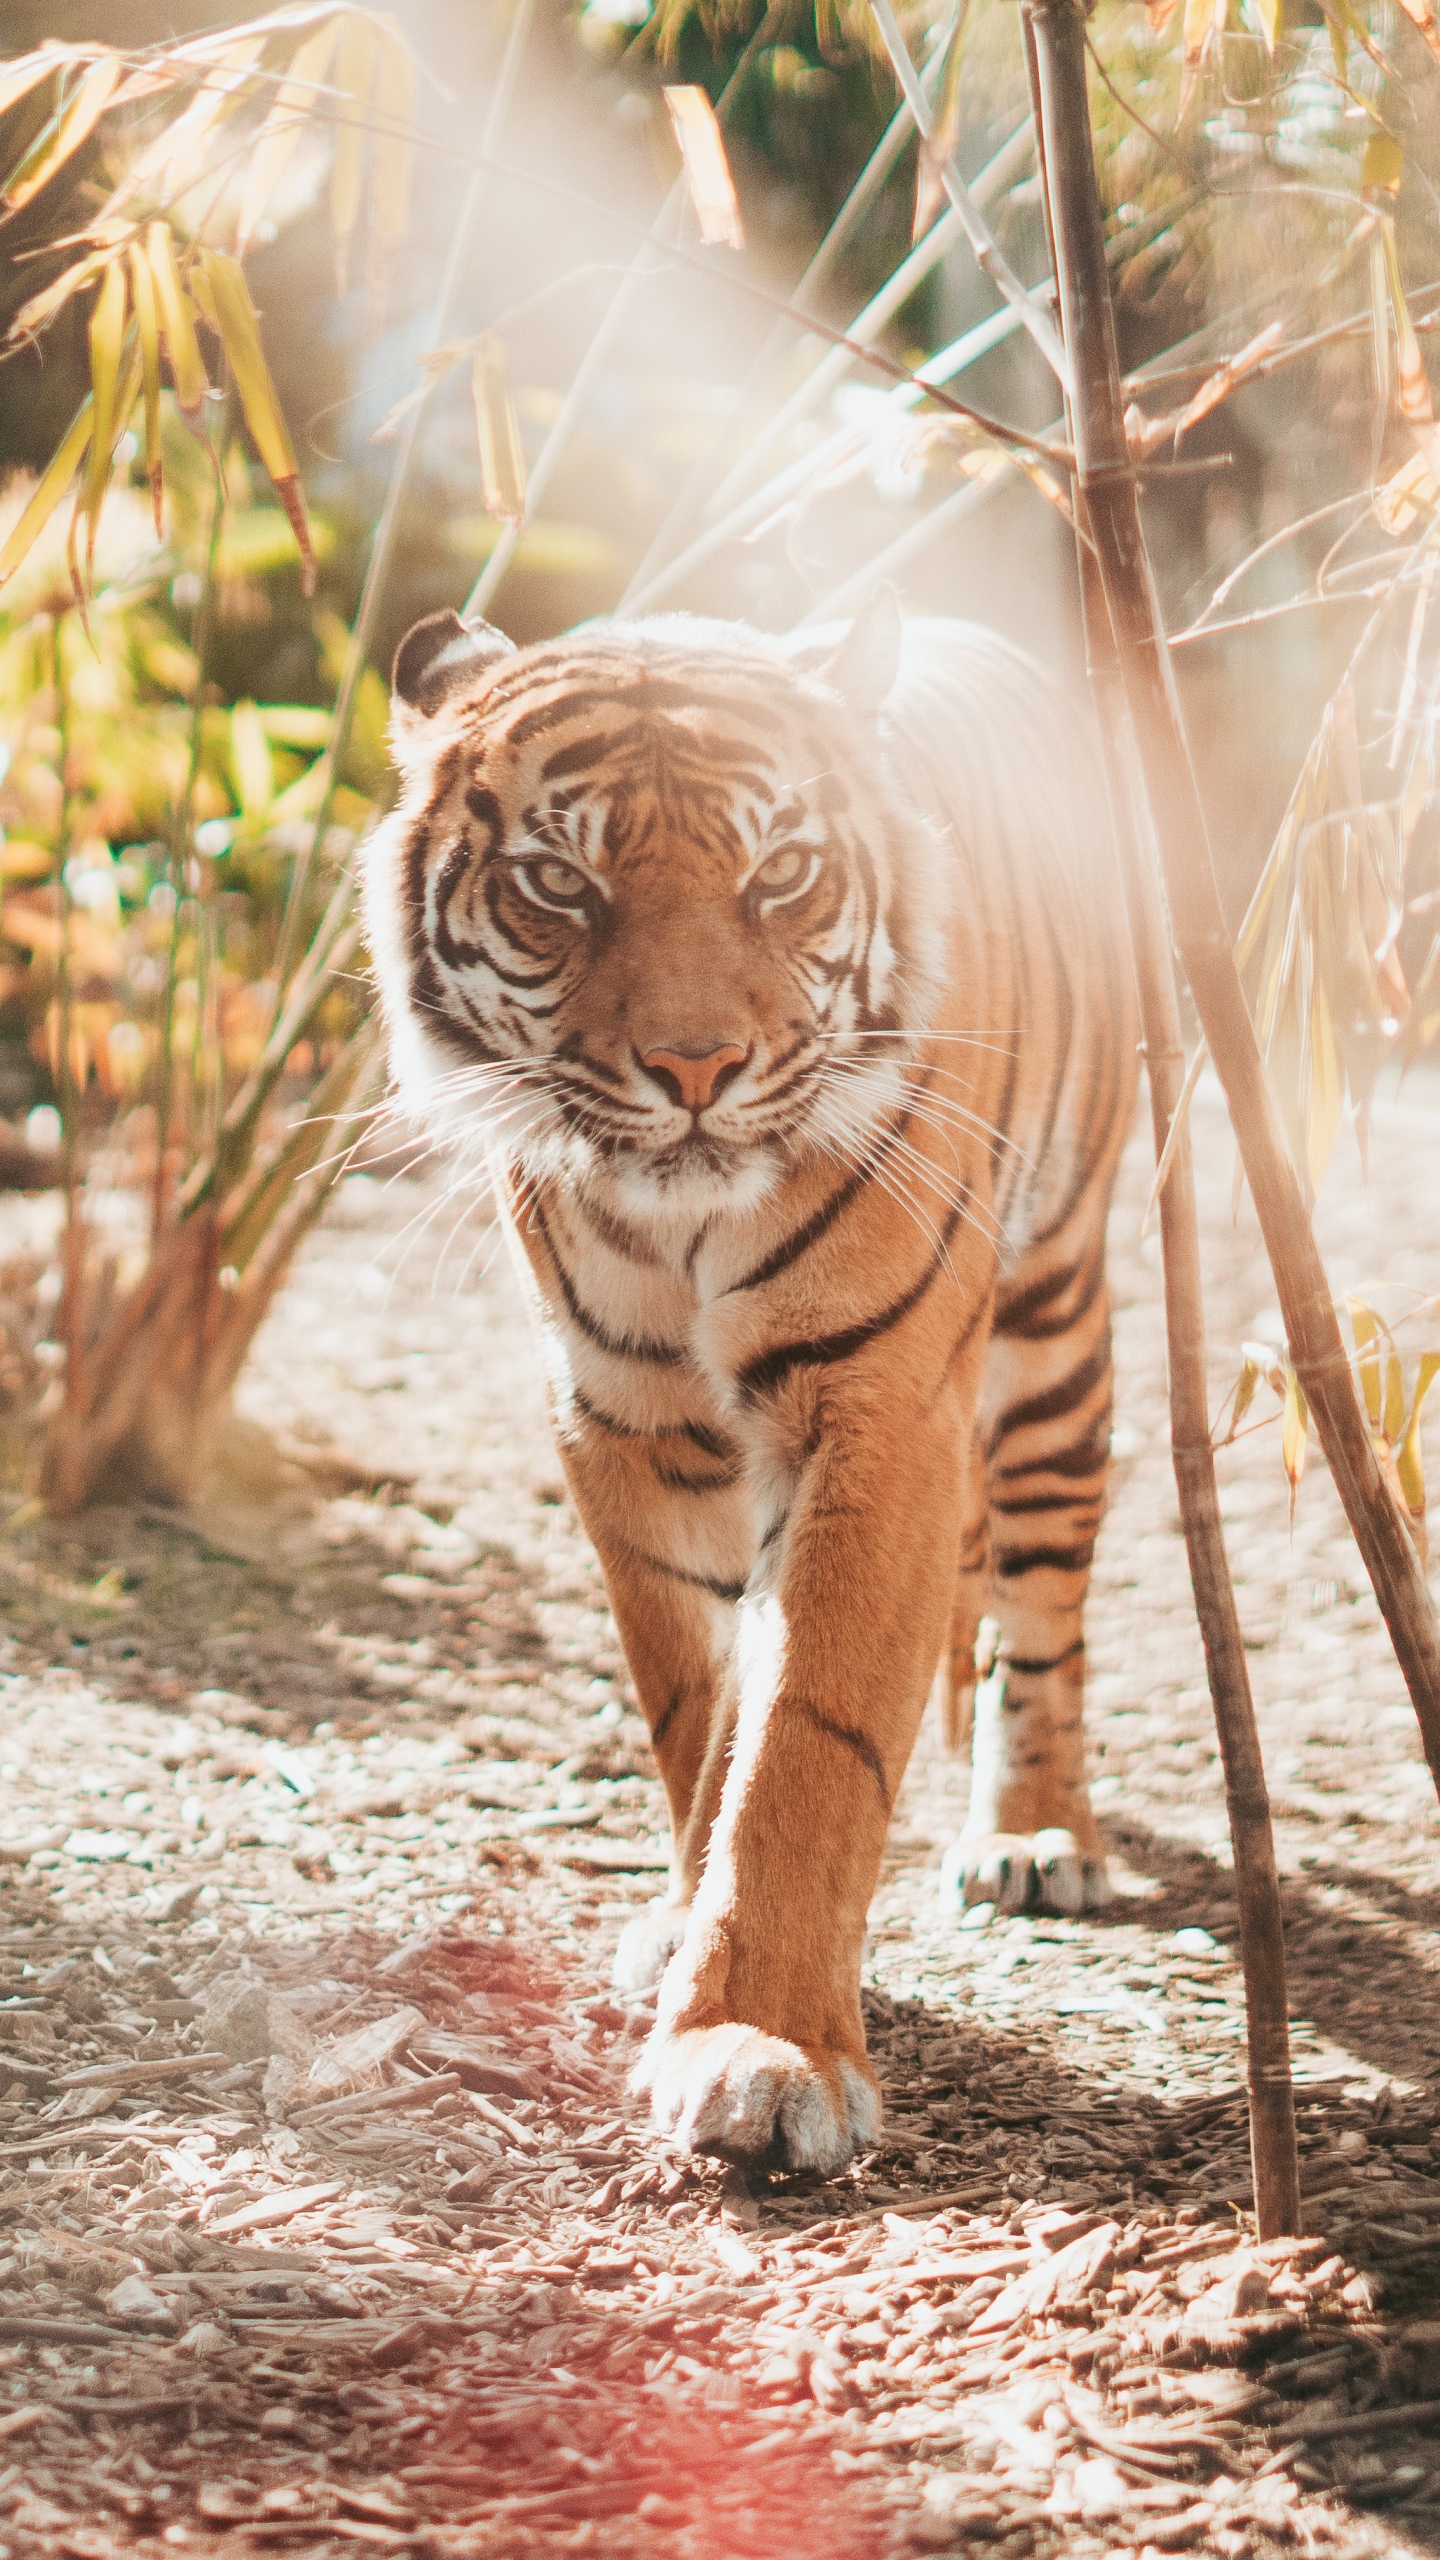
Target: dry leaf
{"points": [[707, 168]]}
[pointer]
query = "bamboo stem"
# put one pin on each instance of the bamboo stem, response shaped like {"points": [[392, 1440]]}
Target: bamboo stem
{"points": [[1273, 2156], [1198, 925], [1257, 1887]]}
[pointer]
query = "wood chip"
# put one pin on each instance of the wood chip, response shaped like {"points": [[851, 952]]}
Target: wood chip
{"points": [[280, 2207]]}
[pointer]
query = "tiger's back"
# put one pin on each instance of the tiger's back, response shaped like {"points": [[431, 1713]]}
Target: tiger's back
{"points": [[782, 990]]}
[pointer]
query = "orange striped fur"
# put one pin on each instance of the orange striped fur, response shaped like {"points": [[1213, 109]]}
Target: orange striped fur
{"points": [[780, 990]]}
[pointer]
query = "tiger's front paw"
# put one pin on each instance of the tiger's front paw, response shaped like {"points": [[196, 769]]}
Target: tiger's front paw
{"points": [[745, 2095], [1042, 1871], [646, 1945]]}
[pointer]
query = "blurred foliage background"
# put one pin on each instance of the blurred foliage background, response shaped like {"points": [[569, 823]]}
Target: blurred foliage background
{"points": [[1223, 217]]}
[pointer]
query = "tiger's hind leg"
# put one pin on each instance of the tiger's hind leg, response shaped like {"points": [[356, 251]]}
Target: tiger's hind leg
{"points": [[969, 1609], [1030, 1838]]}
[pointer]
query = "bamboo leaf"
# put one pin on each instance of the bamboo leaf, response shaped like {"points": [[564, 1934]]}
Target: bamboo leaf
{"points": [[32, 315], [107, 339], [279, 136], [1364, 1324], [502, 459], [1415, 403], [26, 73], [1409, 1458], [177, 327], [169, 164], [147, 330], [49, 489], [1383, 164], [390, 176], [1294, 1432], [239, 330], [1271, 14], [74, 125], [354, 73], [252, 766], [1203, 20], [707, 169]]}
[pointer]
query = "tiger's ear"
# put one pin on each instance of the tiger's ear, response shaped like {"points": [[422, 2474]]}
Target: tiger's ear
{"points": [[436, 657], [864, 664]]}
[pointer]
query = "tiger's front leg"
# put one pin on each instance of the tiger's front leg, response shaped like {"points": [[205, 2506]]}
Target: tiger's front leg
{"points": [[758, 2051]]}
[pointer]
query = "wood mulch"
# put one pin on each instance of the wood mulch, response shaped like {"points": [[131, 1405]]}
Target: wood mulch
{"points": [[326, 2219]]}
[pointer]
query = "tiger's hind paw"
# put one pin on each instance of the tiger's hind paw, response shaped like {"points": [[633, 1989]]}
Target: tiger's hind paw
{"points": [[745, 2095], [1043, 1871]]}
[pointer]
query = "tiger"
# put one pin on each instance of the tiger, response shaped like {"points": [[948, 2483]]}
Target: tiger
{"points": [[775, 984]]}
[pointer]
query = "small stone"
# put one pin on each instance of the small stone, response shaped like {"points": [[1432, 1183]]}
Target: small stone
{"points": [[205, 2338], [1195, 1942], [133, 2299]]}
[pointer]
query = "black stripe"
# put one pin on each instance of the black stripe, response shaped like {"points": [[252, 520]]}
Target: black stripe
{"points": [[1063, 1559], [695, 1484], [659, 1355], [854, 1740], [1056, 1401], [1084, 1458], [667, 1718], [773, 1367], [1029, 1318], [711, 1442], [829, 1210], [1033, 1670], [695, 1581]]}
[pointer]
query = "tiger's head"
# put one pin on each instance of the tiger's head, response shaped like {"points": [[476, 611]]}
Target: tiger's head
{"points": [[651, 910]]}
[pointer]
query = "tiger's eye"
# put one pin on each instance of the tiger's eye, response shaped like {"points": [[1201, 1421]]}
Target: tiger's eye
{"points": [[782, 870], [557, 880]]}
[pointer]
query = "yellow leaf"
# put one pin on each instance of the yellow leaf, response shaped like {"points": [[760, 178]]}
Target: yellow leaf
{"points": [[353, 75], [47, 493], [1293, 1434], [251, 764], [169, 165], [26, 73], [107, 338], [502, 461], [707, 170], [147, 330], [296, 724], [1383, 163], [390, 183], [235, 319], [73, 125], [1409, 1460], [181, 344], [1364, 1324], [275, 144], [32, 315], [1271, 14]]}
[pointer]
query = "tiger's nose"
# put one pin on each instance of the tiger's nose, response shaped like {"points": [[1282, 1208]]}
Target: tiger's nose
{"points": [[694, 1082]]}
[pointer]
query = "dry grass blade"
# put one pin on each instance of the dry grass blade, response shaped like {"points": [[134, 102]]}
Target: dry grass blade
{"points": [[707, 167], [71, 126]]}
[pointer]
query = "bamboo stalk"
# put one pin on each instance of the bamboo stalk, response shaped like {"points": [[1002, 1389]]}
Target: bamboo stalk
{"points": [[1108, 483], [1273, 2155], [1274, 2159]]}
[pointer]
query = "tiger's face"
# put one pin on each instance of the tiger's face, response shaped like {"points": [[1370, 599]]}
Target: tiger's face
{"points": [[646, 914]]}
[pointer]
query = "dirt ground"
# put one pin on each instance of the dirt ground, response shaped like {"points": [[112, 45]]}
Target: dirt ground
{"points": [[325, 2217]]}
